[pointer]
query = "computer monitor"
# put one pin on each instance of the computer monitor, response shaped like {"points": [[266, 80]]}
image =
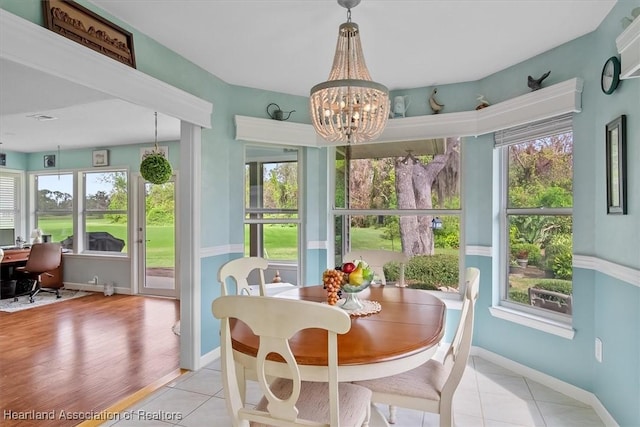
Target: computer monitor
{"points": [[7, 237]]}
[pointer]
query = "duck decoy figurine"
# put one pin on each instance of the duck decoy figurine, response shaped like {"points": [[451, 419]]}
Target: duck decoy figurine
{"points": [[536, 84], [482, 103], [433, 103]]}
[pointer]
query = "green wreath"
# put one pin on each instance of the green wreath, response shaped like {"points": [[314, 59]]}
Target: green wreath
{"points": [[155, 168]]}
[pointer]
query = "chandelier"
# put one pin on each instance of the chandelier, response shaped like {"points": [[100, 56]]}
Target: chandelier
{"points": [[349, 106]]}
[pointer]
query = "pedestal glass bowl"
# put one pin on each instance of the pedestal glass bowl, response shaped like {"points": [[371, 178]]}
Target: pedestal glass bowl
{"points": [[350, 293]]}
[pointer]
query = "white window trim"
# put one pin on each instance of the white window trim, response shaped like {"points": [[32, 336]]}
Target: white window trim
{"points": [[535, 318], [533, 321]]}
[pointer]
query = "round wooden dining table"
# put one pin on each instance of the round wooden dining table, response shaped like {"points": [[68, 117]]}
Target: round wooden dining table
{"points": [[403, 335]]}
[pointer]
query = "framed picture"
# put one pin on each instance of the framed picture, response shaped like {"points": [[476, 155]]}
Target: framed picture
{"points": [[616, 155], [83, 26], [101, 158], [164, 150], [49, 160]]}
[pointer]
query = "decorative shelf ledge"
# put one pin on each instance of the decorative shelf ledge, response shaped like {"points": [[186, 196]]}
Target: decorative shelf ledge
{"points": [[561, 98], [628, 44]]}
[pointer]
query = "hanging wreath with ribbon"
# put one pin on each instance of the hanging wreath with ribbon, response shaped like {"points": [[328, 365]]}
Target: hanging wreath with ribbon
{"points": [[155, 167]]}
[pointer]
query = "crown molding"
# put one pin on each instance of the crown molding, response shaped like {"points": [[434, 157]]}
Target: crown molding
{"points": [[31, 45], [275, 132], [561, 98]]}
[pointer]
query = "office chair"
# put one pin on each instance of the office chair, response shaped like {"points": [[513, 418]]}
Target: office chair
{"points": [[43, 258]]}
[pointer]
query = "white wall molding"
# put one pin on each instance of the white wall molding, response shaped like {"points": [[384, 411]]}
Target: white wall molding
{"points": [[317, 244], [561, 98], [31, 45], [213, 251], [479, 250], [553, 383], [617, 271]]}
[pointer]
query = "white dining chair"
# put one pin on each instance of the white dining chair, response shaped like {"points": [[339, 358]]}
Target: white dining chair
{"points": [[288, 401], [377, 259], [240, 269], [430, 387]]}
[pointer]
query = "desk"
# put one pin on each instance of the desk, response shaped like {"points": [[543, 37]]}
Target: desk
{"points": [[17, 258], [402, 336]]}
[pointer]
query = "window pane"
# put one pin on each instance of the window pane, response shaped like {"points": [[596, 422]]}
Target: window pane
{"points": [[541, 173], [434, 268], [59, 226], [106, 220], [412, 175], [55, 193], [540, 262], [271, 203], [54, 207], [279, 242], [540, 243]]}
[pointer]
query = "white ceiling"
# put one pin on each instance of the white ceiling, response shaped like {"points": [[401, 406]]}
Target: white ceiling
{"points": [[288, 45]]}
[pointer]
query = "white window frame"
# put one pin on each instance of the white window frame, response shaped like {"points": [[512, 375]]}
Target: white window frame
{"points": [[82, 209], [78, 210], [347, 212], [534, 317], [284, 264]]}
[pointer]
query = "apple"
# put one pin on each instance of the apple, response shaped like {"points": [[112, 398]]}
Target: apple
{"points": [[348, 267]]}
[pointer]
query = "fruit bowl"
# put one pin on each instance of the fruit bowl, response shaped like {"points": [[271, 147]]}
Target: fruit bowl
{"points": [[356, 288]]}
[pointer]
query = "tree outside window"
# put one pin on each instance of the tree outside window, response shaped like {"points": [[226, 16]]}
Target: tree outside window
{"points": [[389, 196]]}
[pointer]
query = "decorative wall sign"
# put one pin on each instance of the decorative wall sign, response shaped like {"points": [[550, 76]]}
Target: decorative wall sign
{"points": [[101, 158], [616, 154], [79, 24], [49, 160]]}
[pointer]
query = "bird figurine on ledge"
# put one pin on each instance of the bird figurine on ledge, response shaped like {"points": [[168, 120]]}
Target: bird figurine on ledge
{"points": [[483, 103], [433, 103], [536, 84]]}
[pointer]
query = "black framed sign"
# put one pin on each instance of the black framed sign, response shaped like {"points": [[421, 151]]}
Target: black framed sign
{"points": [[616, 155]]}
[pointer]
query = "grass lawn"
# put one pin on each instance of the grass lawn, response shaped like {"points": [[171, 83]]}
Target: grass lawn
{"points": [[281, 241], [160, 239]]}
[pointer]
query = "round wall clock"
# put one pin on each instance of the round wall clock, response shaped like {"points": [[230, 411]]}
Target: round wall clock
{"points": [[610, 77]]}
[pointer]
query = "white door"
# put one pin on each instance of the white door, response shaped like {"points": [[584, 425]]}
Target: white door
{"points": [[157, 239]]}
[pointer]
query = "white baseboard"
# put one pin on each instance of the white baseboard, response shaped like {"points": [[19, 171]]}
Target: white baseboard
{"points": [[209, 357], [570, 390], [94, 288]]}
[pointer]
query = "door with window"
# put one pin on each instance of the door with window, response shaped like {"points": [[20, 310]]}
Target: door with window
{"points": [[157, 239]]}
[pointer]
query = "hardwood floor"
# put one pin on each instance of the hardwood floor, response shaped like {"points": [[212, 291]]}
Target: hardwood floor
{"points": [[83, 355]]}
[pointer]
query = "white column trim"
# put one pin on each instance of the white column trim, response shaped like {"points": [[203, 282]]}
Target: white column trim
{"points": [[189, 196]]}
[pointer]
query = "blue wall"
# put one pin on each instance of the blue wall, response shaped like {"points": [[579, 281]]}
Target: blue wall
{"points": [[605, 307]]}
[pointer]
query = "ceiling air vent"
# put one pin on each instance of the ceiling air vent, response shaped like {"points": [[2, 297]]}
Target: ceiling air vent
{"points": [[42, 117]]}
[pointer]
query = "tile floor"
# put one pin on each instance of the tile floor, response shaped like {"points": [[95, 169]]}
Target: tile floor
{"points": [[488, 396]]}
